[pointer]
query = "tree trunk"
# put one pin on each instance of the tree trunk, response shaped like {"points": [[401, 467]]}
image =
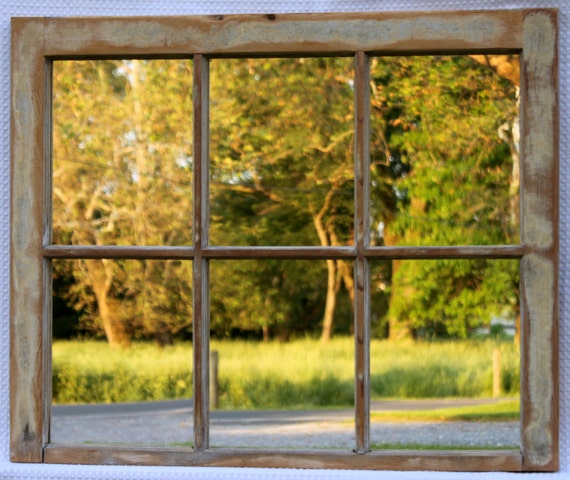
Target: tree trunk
{"points": [[115, 330], [343, 269], [396, 328], [332, 287], [330, 303], [265, 330], [348, 279], [143, 169]]}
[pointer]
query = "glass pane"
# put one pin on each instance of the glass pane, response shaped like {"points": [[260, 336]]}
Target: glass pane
{"points": [[445, 359], [122, 352], [445, 151], [279, 385], [281, 164], [122, 152]]}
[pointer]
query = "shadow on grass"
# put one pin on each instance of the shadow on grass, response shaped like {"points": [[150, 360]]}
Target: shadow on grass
{"points": [[274, 393]]}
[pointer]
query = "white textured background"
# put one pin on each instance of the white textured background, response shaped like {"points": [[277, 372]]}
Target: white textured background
{"points": [[186, 7]]}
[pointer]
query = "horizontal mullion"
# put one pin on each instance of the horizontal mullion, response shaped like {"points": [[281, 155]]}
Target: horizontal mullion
{"points": [[446, 460], [459, 252], [301, 253], [130, 252]]}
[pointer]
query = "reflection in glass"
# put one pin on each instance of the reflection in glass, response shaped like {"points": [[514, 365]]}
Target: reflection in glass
{"points": [[281, 163], [279, 386], [122, 340], [444, 152], [445, 347], [122, 152]]}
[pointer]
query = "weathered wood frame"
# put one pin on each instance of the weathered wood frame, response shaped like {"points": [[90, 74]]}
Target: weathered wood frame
{"points": [[38, 41]]}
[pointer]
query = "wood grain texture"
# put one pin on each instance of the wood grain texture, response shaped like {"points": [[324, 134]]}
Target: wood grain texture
{"points": [[133, 252], [28, 428], [303, 253], [285, 34], [280, 253], [459, 252], [201, 280], [539, 269], [472, 460], [361, 264]]}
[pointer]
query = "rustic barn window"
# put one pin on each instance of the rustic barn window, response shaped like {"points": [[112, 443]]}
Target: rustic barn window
{"points": [[198, 49]]}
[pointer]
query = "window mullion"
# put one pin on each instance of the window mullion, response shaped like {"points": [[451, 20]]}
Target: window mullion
{"points": [[362, 238], [200, 311]]}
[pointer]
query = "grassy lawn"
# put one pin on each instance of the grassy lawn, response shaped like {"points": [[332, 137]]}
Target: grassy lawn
{"points": [[298, 374], [505, 410]]}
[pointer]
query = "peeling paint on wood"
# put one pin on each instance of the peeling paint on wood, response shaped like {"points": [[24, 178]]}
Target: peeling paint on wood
{"points": [[333, 33], [539, 304], [539, 271]]}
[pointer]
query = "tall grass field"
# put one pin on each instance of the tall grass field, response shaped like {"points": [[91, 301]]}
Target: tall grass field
{"points": [[298, 374]]}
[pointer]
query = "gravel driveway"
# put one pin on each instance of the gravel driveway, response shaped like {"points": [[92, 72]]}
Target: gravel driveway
{"points": [[322, 429]]}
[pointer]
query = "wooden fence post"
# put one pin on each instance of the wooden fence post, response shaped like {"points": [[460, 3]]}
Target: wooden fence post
{"points": [[496, 373], [214, 401]]}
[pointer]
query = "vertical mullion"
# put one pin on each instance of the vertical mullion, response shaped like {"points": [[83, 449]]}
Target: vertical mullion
{"points": [[47, 263], [200, 266], [361, 267]]}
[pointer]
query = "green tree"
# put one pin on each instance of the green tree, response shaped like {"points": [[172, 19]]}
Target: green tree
{"points": [[282, 158], [282, 173], [268, 297], [440, 119], [122, 176]]}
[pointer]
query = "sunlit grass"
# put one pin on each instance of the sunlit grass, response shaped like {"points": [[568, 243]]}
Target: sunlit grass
{"points": [[299, 374], [440, 369], [92, 372]]}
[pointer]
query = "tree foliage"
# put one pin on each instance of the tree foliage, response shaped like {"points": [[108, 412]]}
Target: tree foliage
{"points": [[282, 173], [122, 163], [282, 168], [441, 118]]}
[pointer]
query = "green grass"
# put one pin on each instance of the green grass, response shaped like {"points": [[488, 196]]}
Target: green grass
{"points": [[299, 374], [92, 372], [506, 410], [440, 369]]}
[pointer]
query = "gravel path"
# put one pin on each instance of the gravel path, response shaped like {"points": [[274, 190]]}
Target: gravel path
{"points": [[175, 427]]}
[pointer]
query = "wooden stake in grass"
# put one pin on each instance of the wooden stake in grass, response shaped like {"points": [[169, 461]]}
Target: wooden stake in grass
{"points": [[496, 373], [214, 403]]}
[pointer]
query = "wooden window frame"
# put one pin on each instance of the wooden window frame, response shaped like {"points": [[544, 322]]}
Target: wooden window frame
{"points": [[36, 42]]}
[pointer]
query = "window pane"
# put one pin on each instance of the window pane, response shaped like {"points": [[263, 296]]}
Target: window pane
{"points": [[445, 360], [122, 352], [281, 165], [445, 151], [279, 386], [122, 152]]}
